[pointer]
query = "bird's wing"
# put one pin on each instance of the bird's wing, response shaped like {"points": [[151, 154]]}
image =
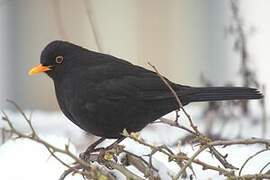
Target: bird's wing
{"points": [[126, 80]]}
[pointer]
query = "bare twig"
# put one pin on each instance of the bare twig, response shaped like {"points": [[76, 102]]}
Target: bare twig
{"points": [[267, 164], [80, 166], [69, 171], [174, 124], [249, 141], [195, 128], [122, 169], [251, 176], [142, 166], [51, 148], [190, 160], [221, 158], [248, 159]]}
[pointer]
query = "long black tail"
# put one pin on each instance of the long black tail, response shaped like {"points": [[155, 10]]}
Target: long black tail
{"points": [[223, 93]]}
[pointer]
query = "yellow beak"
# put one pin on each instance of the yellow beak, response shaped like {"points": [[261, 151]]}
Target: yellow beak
{"points": [[39, 69]]}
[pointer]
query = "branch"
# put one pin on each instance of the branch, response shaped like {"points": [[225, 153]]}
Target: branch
{"points": [[248, 159], [108, 158], [177, 98]]}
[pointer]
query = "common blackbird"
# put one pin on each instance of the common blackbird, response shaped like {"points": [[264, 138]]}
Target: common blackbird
{"points": [[104, 95]]}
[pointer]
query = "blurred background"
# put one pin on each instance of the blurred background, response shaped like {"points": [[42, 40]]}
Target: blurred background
{"points": [[192, 42], [182, 38]]}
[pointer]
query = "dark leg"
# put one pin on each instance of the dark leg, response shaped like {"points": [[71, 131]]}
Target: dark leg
{"points": [[92, 147], [115, 143]]}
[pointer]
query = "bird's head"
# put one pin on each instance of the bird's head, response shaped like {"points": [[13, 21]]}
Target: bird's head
{"points": [[55, 58]]}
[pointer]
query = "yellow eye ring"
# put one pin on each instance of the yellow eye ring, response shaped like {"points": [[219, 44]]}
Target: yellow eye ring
{"points": [[59, 59]]}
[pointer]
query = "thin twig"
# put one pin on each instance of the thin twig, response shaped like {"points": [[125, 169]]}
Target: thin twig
{"points": [[69, 171], [79, 163], [251, 176], [267, 164], [174, 124], [241, 141], [248, 159], [177, 98], [122, 169], [191, 159], [52, 149]]}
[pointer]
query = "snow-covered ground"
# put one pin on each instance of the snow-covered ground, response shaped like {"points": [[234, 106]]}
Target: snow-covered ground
{"points": [[26, 160]]}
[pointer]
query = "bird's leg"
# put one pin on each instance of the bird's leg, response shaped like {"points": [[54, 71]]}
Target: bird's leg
{"points": [[111, 149], [92, 148], [115, 143]]}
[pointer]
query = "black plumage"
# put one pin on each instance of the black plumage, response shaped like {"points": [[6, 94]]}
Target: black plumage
{"points": [[103, 94]]}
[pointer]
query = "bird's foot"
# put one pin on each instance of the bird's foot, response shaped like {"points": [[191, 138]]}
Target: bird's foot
{"points": [[91, 149], [91, 155]]}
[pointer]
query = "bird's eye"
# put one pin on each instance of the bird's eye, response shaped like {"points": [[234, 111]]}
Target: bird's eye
{"points": [[59, 59]]}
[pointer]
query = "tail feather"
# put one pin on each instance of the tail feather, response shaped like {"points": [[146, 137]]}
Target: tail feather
{"points": [[223, 93]]}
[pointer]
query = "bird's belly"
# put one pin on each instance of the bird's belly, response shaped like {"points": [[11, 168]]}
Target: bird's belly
{"points": [[108, 118]]}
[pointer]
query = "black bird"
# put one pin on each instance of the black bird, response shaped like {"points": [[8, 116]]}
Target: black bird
{"points": [[104, 95]]}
